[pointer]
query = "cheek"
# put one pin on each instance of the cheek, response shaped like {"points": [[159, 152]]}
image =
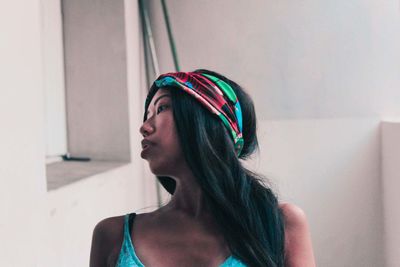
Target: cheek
{"points": [[168, 153], [168, 133], [171, 143], [168, 158]]}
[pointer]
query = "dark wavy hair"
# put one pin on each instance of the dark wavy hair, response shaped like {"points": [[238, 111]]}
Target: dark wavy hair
{"points": [[245, 208]]}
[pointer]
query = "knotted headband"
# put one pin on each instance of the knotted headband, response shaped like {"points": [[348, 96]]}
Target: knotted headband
{"points": [[214, 94]]}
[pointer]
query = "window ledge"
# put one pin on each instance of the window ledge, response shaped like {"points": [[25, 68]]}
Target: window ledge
{"points": [[63, 173]]}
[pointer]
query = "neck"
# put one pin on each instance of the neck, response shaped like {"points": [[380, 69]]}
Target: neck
{"points": [[188, 197], [188, 202]]}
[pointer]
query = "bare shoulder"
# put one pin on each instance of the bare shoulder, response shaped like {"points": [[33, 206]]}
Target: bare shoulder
{"points": [[298, 245], [293, 215], [109, 227], [106, 241]]}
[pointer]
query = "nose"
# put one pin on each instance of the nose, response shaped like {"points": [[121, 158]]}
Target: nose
{"points": [[146, 129]]}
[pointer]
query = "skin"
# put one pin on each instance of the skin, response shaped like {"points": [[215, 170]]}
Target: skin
{"points": [[183, 232]]}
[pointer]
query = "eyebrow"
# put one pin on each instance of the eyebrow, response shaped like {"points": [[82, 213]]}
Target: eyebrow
{"points": [[155, 102]]}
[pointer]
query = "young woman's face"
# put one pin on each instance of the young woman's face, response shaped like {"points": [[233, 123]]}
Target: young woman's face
{"points": [[160, 144]]}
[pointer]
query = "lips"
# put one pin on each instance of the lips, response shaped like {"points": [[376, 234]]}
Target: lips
{"points": [[146, 148], [146, 143]]}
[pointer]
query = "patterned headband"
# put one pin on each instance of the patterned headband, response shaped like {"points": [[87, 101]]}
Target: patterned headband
{"points": [[213, 93]]}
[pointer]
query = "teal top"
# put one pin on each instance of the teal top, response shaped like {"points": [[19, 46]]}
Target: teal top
{"points": [[128, 258]]}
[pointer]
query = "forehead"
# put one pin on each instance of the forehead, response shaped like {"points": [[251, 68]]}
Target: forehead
{"points": [[160, 92], [158, 96]]}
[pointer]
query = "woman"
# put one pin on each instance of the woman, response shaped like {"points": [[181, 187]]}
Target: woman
{"points": [[197, 126]]}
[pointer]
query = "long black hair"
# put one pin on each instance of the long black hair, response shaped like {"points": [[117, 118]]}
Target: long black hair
{"points": [[245, 208]]}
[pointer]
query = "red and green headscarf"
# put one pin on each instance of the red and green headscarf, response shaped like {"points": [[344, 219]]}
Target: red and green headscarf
{"points": [[214, 94]]}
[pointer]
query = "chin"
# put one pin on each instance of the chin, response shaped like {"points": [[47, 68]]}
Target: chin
{"points": [[160, 169]]}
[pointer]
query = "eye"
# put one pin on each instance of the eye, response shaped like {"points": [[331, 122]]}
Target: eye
{"points": [[161, 108]]}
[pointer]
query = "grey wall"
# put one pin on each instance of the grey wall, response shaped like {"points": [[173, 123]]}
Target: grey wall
{"points": [[330, 168], [391, 196], [322, 74], [300, 59], [96, 79]]}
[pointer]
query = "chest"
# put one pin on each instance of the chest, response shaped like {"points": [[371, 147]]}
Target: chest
{"points": [[179, 249]]}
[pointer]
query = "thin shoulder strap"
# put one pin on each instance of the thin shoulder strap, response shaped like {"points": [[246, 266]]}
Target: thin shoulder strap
{"points": [[127, 255], [130, 221]]}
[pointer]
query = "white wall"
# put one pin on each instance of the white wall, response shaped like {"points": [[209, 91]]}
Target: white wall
{"points": [[74, 210], [53, 71], [22, 168]]}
